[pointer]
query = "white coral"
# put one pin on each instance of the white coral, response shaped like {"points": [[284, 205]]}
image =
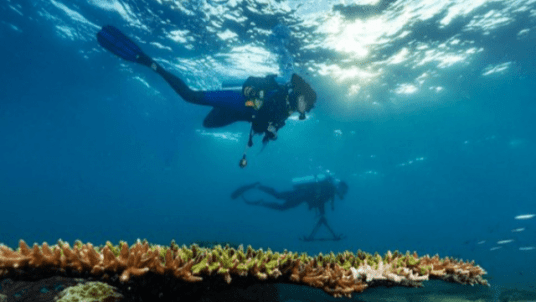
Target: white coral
{"points": [[384, 272]]}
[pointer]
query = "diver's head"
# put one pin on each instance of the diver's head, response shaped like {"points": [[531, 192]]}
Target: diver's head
{"points": [[298, 104], [303, 97], [342, 189]]}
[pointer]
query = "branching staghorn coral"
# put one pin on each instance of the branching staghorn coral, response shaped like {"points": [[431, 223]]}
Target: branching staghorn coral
{"points": [[337, 274]]}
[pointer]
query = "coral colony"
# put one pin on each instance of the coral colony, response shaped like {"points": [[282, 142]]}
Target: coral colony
{"points": [[337, 274]]}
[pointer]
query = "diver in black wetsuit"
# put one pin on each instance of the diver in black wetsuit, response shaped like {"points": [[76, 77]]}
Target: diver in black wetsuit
{"points": [[262, 102], [315, 194]]}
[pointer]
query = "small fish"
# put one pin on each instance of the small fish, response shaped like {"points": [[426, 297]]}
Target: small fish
{"points": [[525, 216], [505, 241], [527, 248], [481, 242], [518, 230], [495, 248]]}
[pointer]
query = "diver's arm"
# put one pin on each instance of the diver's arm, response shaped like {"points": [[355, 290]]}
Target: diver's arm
{"points": [[278, 117]]}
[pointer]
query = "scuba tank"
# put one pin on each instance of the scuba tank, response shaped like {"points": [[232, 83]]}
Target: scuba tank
{"points": [[232, 85], [237, 84], [300, 182]]}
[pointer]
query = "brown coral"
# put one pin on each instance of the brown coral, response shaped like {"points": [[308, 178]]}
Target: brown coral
{"points": [[338, 275]]}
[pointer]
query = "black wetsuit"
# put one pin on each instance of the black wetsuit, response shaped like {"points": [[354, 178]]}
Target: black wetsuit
{"points": [[230, 106], [276, 106], [314, 194]]}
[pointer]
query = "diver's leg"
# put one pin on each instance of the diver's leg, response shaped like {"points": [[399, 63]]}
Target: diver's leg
{"points": [[225, 99], [221, 117], [290, 200], [238, 192], [189, 95], [113, 40], [274, 193], [229, 106], [288, 204]]}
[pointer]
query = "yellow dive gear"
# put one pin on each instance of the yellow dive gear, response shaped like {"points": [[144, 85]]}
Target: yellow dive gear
{"points": [[256, 103]]}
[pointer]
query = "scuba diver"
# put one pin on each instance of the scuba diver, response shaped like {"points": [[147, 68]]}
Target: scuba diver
{"points": [[316, 191], [262, 101]]}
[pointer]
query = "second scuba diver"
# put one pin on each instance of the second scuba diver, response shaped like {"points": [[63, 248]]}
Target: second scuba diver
{"points": [[262, 102], [316, 191]]}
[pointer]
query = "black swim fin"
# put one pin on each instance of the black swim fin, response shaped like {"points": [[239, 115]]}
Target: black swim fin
{"points": [[122, 46]]}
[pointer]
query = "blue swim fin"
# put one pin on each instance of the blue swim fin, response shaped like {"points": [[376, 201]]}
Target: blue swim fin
{"points": [[119, 44]]}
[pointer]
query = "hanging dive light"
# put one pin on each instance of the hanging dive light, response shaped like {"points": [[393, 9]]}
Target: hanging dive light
{"points": [[243, 162]]}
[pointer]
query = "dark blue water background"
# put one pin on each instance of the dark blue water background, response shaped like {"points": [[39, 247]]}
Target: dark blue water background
{"points": [[89, 152]]}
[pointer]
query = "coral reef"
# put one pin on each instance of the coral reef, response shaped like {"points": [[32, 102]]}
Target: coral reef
{"points": [[211, 244], [45, 290], [337, 274], [90, 291]]}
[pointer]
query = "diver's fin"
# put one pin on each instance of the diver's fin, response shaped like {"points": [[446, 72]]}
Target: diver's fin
{"points": [[119, 44], [238, 192]]}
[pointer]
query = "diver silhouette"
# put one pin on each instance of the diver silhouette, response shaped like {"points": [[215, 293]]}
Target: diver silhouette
{"points": [[315, 194]]}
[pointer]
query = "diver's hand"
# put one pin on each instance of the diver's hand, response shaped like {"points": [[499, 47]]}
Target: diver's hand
{"points": [[270, 134], [272, 131]]}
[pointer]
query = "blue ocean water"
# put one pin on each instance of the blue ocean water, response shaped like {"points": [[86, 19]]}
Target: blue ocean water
{"points": [[425, 108]]}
